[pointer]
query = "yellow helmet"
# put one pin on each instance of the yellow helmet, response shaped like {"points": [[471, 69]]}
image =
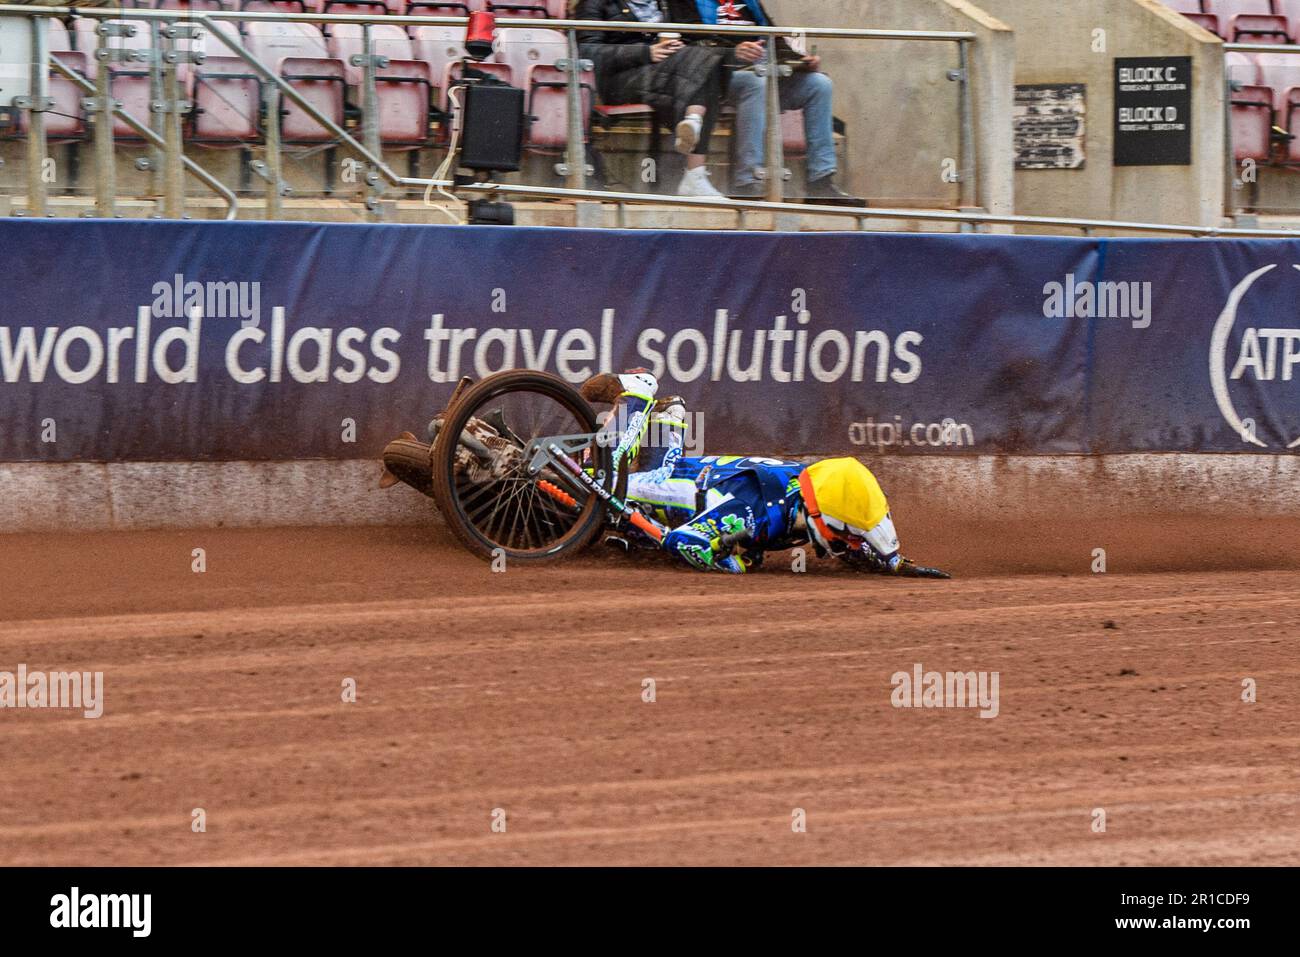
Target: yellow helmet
{"points": [[846, 507]]}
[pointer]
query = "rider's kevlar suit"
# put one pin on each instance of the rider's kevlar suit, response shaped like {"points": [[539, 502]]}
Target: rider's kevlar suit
{"points": [[703, 499]]}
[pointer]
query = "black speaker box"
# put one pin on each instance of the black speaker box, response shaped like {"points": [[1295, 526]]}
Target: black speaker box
{"points": [[492, 134]]}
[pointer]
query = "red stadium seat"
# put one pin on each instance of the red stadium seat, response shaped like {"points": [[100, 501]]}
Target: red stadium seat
{"points": [[1251, 115], [273, 6], [1193, 11], [227, 103], [526, 48], [1249, 21], [198, 6], [405, 99], [365, 8], [519, 9], [1291, 10], [548, 106], [1280, 72], [404, 87], [298, 52], [452, 8], [440, 47]]}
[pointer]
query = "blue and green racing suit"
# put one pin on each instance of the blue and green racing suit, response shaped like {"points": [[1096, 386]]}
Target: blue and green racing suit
{"points": [[705, 498]]}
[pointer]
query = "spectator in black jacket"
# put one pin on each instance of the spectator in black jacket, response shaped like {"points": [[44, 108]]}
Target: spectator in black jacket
{"points": [[682, 80]]}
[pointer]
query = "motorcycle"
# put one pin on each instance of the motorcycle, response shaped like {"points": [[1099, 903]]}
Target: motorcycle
{"points": [[521, 466]]}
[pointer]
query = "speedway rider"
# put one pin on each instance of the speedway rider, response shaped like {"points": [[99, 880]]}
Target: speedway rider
{"points": [[762, 504]]}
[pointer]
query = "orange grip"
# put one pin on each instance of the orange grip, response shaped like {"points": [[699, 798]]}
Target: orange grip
{"points": [[557, 493], [647, 526]]}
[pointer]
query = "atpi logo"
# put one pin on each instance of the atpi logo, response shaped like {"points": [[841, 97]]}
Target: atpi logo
{"points": [[1266, 355]]}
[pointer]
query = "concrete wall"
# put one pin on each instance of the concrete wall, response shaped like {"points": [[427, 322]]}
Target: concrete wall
{"points": [[1055, 45], [900, 107], [88, 496]]}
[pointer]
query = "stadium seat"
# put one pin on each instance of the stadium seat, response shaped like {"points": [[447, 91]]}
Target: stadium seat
{"points": [[404, 87], [1249, 21], [227, 103], [347, 40], [1291, 10], [405, 102], [1251, 115], [1280, 73], [453, 8], [363, 8], [198, 6], [273, 6], [526, 48], [519, 10], [272, 41], [298, 52], [548, 106]]}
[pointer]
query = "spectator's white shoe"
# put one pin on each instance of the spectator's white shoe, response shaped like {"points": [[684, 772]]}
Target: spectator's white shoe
{"points": [[688, 133], [696, 183]]}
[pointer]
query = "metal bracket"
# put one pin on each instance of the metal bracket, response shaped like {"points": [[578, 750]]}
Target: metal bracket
{"points": [[182, 31], [184, 56], [107, 28], [537, 456], [562, 169], [33, 104], [361, 59], [957, 76], [563, 64], [123, 55], [91, 104], [170, 106], [261, 169]]}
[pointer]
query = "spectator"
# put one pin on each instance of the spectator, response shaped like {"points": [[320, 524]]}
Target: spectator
{"points": [[806, 88], [683, 81]]}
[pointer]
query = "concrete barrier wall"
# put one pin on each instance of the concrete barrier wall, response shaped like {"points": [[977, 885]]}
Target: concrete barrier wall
{"points": [[1058, 43], [46, 497], [900, 106]]}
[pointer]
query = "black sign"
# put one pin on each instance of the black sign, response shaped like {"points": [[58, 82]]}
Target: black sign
{"points": [[1153, 111]]}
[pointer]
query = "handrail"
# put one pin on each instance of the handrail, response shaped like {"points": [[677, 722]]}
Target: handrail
{"points": [[944, 216], [575, 187], [147, 13], [1261, 48], [741, 207]]}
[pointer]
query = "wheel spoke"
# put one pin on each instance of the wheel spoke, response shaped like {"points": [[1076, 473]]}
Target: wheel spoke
{"points": [[510, 511]]}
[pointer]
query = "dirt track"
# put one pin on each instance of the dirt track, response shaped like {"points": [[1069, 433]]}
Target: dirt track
{"points": [[522, 691]]}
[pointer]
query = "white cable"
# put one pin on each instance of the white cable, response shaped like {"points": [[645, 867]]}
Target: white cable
{"points": [[458, 121]]}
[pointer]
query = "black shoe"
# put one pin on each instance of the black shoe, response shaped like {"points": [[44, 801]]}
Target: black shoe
{"points": [[822, 192], [754, 190]]}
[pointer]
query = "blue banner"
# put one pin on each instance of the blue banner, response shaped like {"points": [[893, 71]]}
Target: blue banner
{"points": [[145, 340]]}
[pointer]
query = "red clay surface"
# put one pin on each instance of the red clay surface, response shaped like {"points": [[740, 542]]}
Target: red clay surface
{"points": [[522, 691]]}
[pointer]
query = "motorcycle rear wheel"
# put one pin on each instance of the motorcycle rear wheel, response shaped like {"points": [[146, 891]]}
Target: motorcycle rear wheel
{"points": [[508, 513]]}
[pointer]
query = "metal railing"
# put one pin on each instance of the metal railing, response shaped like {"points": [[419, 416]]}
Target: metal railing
{"points": [[175, 24], [174, 161]]}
